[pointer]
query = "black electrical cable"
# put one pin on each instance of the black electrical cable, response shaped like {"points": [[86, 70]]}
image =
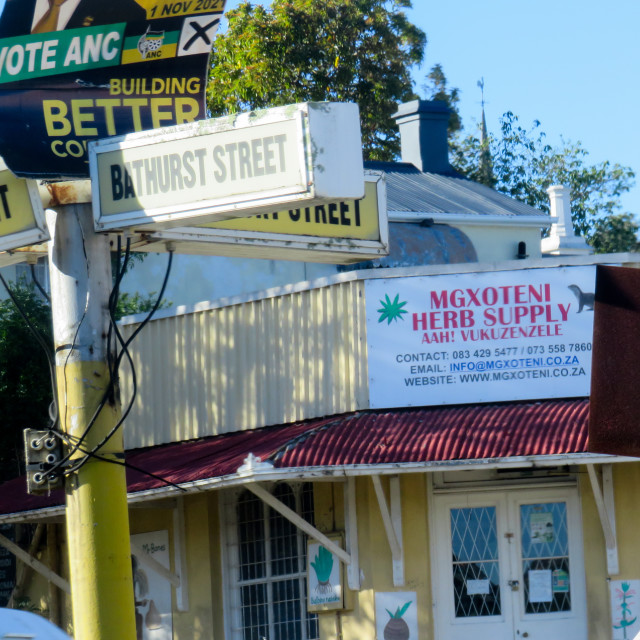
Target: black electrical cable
{"points": [[53, 406], [127, 465], [157, 303], [46, 348], [124, 350], [120, 270], [37, 283]]}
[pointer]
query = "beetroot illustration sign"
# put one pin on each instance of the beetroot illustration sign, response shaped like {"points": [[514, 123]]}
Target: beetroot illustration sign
{"points": [[396, 616], [72, 71], [480, 337]]}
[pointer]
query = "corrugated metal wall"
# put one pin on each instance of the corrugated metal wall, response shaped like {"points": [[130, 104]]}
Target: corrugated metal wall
{"points": [[269, 361]]}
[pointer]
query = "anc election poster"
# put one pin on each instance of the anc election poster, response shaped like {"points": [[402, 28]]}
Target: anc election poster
{"points": [[73, 71]]}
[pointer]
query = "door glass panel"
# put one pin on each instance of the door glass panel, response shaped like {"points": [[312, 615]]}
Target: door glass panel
{"points": [[545, 557], [474, 544]]}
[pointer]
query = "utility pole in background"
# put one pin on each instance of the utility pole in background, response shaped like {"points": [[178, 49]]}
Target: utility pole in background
{"points": [[97, 518]]}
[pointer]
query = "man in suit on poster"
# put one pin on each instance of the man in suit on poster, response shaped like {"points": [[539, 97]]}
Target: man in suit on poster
{"points": [[21, 17]]}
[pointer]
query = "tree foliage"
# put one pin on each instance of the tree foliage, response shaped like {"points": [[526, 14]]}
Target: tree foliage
{"points": [[615, 233], [25, 382], [525, 166], [130, 304], [436, 88], [357, 51]]}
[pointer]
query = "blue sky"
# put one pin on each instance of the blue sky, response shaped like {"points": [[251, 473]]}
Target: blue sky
{"points": [[574, 65]]}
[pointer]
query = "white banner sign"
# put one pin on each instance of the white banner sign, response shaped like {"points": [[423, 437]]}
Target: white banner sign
{"points": [[480, 337]]}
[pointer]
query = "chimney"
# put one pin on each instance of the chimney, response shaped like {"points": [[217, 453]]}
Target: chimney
{"points": [[423, 134], [562, 240]]}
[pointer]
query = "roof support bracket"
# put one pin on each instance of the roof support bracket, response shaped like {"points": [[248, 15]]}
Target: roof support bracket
{"points": [[35, 564], [180, 555], [392, 520], [351, 526], [298, 521], [604, 498]]}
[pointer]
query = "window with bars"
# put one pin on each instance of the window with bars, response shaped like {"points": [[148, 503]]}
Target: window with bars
{"points": [[268, 567]]}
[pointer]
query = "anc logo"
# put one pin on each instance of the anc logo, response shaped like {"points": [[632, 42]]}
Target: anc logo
{"points": [[391, 310], [151, 41]]}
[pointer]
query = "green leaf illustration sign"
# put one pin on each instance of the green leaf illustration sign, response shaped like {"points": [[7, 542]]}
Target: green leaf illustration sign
{"points": [[391, 310], [624, 594], [323, 564]]}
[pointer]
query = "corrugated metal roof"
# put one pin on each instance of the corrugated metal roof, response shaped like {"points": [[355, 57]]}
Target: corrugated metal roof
{"points": [[375, 437], [410, 190], [444, 434]]}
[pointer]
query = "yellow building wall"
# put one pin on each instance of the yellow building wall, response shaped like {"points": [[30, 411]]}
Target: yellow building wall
{"points": [[626, 483], [595, 563], [358, 620], [37, 593], [204, 618]]}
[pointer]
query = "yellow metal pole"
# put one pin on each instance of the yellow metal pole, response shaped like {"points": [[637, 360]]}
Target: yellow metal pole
{"points": [[97, 515]]}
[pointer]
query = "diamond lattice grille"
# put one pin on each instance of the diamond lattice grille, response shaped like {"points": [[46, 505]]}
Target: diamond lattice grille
{"points": [[474, 544]]}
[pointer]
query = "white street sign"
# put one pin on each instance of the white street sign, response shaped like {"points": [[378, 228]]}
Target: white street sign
{"points": [[241, 165]]}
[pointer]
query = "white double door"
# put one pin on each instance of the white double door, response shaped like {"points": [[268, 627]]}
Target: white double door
{"points": [[509, 565]]}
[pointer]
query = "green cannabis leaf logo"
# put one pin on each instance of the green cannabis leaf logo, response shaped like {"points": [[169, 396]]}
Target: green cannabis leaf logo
{"points": [[391, 310]]}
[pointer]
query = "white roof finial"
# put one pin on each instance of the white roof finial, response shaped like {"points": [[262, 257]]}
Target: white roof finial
{"points": [[562, 239]]}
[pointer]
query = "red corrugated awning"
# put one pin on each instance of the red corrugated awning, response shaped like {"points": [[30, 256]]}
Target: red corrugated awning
{"points": [[395, 436]]}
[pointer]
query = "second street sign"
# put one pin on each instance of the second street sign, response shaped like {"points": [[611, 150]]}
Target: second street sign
{"points": [[22, 220], [212, 170], [338, 233]]}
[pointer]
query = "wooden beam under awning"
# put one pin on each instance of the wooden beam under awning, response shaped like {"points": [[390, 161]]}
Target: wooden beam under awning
{"points": [[35, 564], [298, 521]]}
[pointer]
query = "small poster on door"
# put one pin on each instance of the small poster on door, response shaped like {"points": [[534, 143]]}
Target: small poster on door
{"points": [[540, 585], [396, 616], [478, 587], [560, 581], [625, 609], [541, 527]]}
